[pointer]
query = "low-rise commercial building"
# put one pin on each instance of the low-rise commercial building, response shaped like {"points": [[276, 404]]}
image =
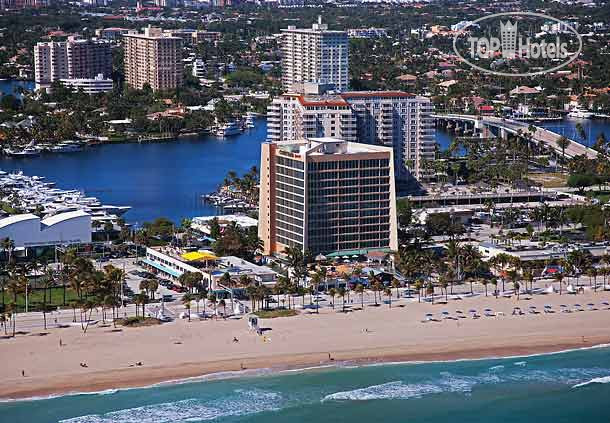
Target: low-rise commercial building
{"points": [[99, 84], [29, 230]]}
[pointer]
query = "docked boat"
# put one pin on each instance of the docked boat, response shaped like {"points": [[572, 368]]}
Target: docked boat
{"points": [[26, 152], [580, 114], [67, 147], [228, 129]]}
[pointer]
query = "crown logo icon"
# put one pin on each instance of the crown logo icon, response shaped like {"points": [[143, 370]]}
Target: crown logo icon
{"points": [[508, 37]]}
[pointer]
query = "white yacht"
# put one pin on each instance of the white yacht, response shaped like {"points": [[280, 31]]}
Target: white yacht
{"points": [[66, 147], [580, 113], [26, 152], [228, 129]]}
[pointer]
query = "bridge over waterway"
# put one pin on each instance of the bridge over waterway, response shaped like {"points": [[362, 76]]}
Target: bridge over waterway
{"points": [[508, 126]]}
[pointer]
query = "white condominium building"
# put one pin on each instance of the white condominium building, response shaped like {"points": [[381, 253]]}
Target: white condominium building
{"points": [[71, 59], [389, 118], [315, 55], [96, 85], [153, 58], [327, 195]]}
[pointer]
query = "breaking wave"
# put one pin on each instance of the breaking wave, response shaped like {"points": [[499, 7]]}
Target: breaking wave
{"points": [[241, 402], [448, 383]]}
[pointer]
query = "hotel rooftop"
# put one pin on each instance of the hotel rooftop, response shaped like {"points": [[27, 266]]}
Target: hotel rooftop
{"points": [[327, 145]]}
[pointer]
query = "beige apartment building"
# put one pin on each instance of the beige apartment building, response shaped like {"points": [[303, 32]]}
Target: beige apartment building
{"points": [[75, 58], [327, 195], [393, 119], [153, 58], [315, 55]]}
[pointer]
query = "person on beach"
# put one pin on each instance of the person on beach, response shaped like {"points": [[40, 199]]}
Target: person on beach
{"points": [[23, 373], [60, 343]]}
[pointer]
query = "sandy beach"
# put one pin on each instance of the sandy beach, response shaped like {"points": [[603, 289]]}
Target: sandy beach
{"points": [[183, 349]]}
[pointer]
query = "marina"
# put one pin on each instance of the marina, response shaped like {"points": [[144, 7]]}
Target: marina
{"points": [[156, 179], [37, 195]]}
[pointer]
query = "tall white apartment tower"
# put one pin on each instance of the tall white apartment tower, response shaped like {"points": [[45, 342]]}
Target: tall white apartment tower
{"points": [[393, 119], [71, 59], [314, 55], [153, 58]]}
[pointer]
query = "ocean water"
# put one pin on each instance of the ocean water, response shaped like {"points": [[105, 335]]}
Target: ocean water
{"points": [[564, 387]]}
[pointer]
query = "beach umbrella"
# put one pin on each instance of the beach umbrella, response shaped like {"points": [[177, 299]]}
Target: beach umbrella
{"points": [[577, 305], [472, 310], [488, 309], [548, 306], [345, 257], [458, 312], [320, 257], [355, 256], [605, 303], [429, 314]]}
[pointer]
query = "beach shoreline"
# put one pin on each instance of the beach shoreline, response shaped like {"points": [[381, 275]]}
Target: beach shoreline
{"points": [[184, 351], [197, 372]]}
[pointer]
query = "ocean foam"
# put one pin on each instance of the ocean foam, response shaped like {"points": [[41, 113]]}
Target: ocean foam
{"points": [[402, 390], [603, 380], [241, 402], [450, 383]]}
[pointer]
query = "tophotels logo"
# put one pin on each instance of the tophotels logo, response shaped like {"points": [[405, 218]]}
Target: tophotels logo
{"points": [[508, 43]]}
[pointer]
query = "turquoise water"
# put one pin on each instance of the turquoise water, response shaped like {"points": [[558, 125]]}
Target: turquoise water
{"points": [[566, 387]]}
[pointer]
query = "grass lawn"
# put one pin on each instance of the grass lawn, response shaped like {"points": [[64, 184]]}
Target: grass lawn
{"points": [[270, 314], [602, 196], [138, 321], [550, 180], [35, 298]]}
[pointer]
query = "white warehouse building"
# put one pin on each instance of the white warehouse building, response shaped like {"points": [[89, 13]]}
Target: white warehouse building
{"points": [[29, 230]]}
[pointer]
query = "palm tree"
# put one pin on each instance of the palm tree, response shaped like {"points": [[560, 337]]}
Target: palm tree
{"points": [[563, 143], [528, 276], [444, 283], [213, 299], [484, 281], [396, 285], [517, 288], [332, 292], [430, 290], [359, 289], [388, 292], [11, 309], [341, 293], [223, 304], [494, 282], [559, 278], [419, 284], [592, 273], [186, 302]]}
